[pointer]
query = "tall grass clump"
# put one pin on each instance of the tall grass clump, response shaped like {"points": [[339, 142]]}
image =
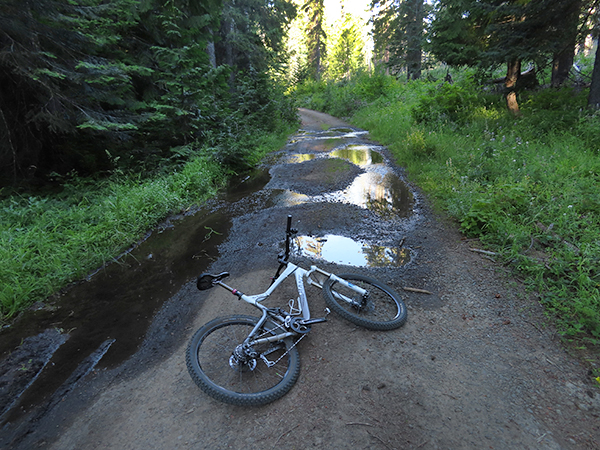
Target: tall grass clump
{"points": [[525, 186], [48, 241]]}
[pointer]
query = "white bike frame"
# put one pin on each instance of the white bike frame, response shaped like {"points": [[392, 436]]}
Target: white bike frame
{"points": [[302, 309]]}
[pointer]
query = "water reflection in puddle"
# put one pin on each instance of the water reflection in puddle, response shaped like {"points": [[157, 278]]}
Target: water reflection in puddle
{"points": [[343, 133], [300, 158], [343, 250], [383, 193], [379, 189], [361, 155], [288, 198]]}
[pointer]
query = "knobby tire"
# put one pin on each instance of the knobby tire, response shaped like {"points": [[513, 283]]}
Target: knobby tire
{"points": [[208, 362], [384, 309]]}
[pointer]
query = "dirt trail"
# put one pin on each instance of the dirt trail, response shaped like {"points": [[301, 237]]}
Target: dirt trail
{"points": [[474, 367]]}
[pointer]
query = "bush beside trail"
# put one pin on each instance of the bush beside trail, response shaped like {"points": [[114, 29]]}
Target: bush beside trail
{"points": [[526, 186]]}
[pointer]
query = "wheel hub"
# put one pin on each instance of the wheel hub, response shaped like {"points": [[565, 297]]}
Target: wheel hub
{"points": [[243, 359], [362, 304]]}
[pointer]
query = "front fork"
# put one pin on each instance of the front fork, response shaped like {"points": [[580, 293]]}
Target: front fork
{"points": [[364, 294]]}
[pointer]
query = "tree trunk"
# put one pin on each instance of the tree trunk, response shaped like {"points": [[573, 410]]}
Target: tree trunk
{"points": [[230, 51], [561, 66], [210, 50], [7, 140], [563, 58], [229, 58], [315, 36], [414, 38], [594, 96], [513, 73], [317, 60]]}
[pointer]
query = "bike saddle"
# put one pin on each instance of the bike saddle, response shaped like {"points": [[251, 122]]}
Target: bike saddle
{"points": [[207, 280]]}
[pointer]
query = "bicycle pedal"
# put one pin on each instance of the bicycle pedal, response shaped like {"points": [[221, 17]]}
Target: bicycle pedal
{"points": [[316, 320]]}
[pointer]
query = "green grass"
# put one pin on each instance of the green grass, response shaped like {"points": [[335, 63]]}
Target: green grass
{"points": [[49, 241], [527, 187]]}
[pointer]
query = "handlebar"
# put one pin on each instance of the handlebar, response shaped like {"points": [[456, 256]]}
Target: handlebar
{"points": [[206, 280], [283, 258], [289, 233]]}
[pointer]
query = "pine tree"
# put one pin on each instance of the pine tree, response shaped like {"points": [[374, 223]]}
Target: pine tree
{"points": [[87, 83], [316, 37], [594, 94], [487, 33], [252, 32], [567, 21], [346, 53], [456, 36], [398, 32], [58, 82]]}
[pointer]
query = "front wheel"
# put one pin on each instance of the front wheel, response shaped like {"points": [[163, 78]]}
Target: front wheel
{"points": [[382, 308], [221, 368]]}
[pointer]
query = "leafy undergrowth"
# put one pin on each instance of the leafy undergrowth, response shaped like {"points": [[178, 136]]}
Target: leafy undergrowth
{"points": [[48, 241], [526, 187]]}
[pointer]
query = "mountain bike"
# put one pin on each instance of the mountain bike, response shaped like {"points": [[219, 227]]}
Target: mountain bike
{"points": [[250, 361]]}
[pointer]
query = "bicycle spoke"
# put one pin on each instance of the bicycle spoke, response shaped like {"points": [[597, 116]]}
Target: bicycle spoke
{"points": [[382, 309], [240, 379]]}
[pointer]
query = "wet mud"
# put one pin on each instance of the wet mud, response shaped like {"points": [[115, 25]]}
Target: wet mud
{"points": [[476, 365], [102, 321]]}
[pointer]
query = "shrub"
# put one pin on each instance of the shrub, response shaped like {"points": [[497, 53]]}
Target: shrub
{"points": [[446, 103]]}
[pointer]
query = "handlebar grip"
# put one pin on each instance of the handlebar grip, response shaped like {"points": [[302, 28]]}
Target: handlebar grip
{"points": [[288, 234]]}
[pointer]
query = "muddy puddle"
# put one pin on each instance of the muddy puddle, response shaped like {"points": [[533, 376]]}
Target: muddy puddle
{"points": [[351, 252], [102, 321], [377, 188]]}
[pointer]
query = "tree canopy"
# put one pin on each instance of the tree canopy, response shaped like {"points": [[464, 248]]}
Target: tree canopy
{"points": [[488, 33], [91, 85], [484, 34], [316, 38], [398, 30], [346, 50], [88, 84]]}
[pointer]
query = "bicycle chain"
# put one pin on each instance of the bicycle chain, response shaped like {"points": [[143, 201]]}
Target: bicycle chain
{"points": [[264, 358], [271, 364]]}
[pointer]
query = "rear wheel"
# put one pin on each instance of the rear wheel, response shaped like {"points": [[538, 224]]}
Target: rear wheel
{"points": [[382, 309], [225, 370]]}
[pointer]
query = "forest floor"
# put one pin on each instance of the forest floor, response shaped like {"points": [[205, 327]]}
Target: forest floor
{"points": [[476, 366]]}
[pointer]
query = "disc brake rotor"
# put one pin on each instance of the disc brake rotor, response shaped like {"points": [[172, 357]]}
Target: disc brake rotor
{"points": [[238, 366]]}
